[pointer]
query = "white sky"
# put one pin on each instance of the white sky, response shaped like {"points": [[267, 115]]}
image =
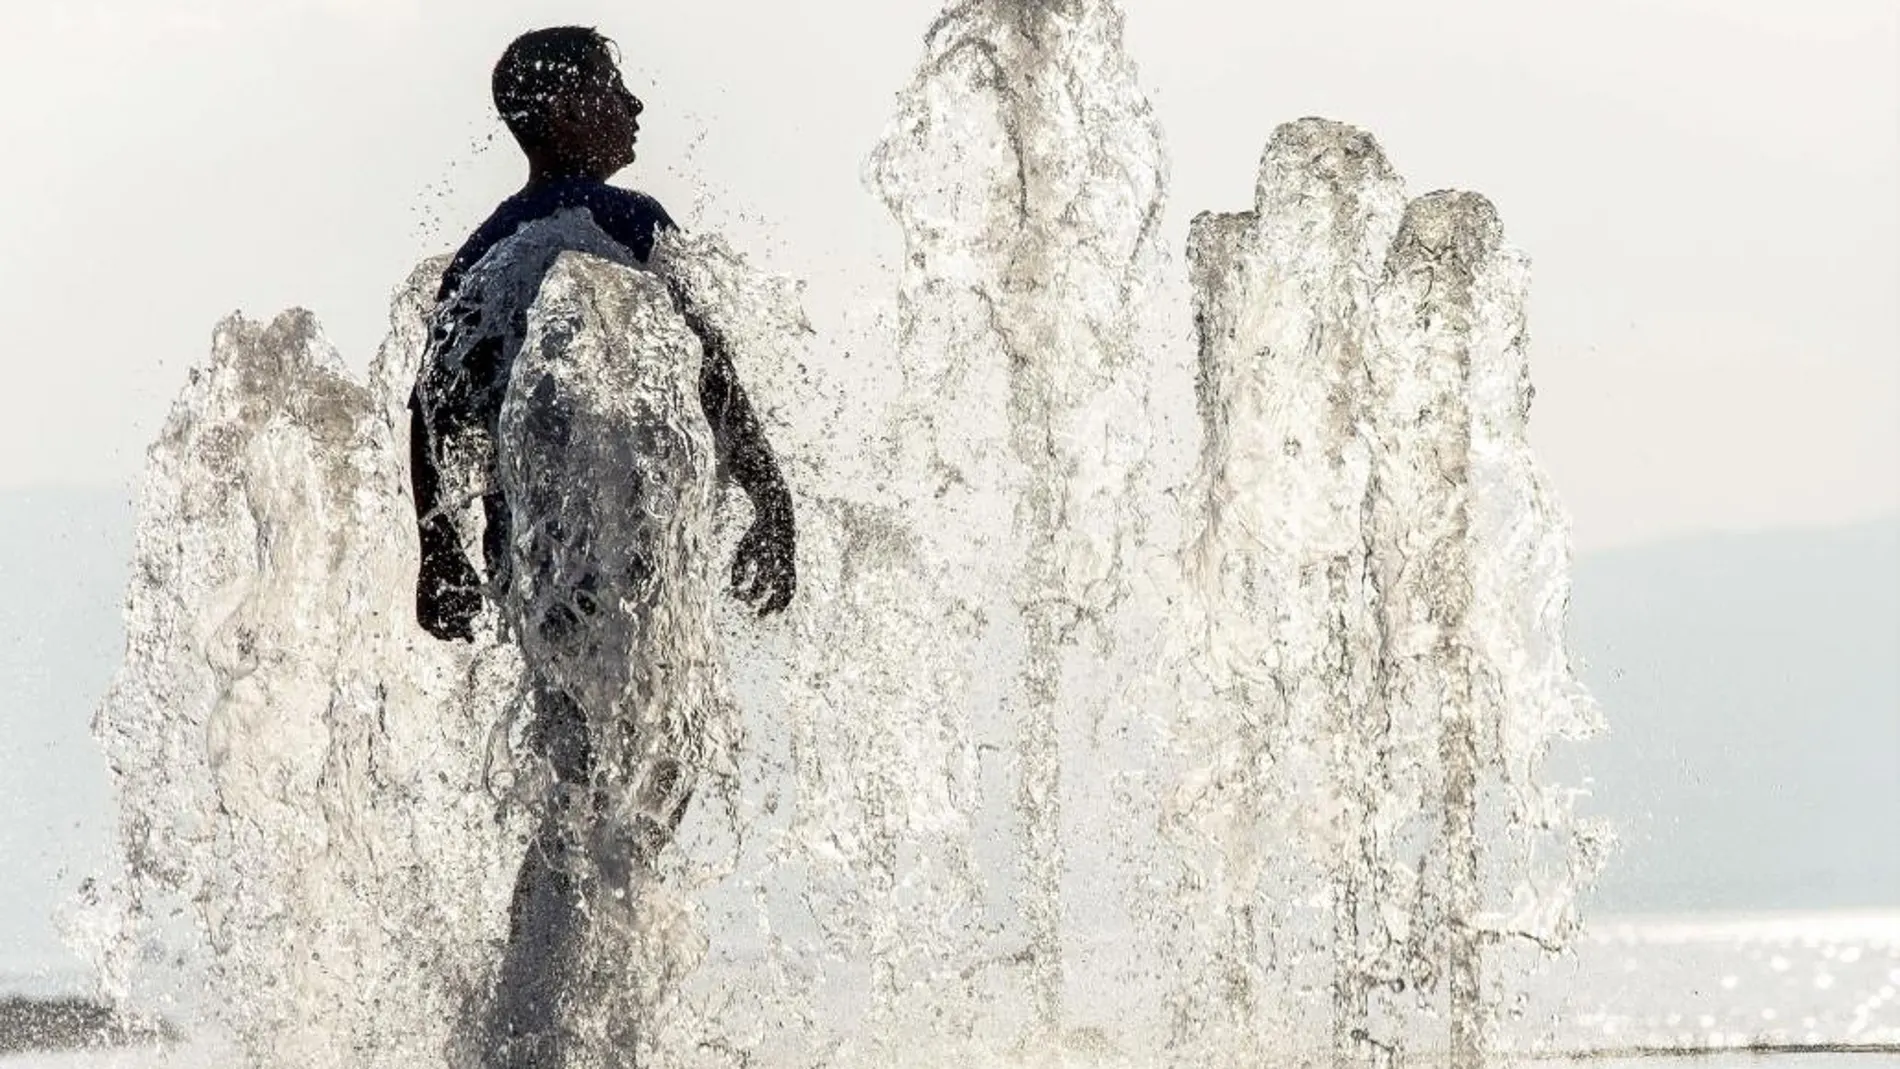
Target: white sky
{"points": [[1709, 190]]}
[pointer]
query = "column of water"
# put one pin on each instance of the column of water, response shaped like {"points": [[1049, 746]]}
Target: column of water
{"points": [[1377, 583], [1025, 169]]}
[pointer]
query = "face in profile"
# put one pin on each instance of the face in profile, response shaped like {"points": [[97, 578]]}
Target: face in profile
{"points": [[601, 124]]}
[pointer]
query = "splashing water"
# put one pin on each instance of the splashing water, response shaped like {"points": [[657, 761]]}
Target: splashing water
{"points": [[1025, 164], [1016, 780], [296, 766], [1374, 640]]}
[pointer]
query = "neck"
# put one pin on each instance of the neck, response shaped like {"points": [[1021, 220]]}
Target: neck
{"points": [[541, 172]]}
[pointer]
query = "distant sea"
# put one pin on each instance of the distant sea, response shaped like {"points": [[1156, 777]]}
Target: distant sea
{"points": [[1809, 990]]}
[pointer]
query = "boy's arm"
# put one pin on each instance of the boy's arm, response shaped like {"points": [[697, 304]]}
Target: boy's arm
{"points": [[448, 592], [767, 550]]}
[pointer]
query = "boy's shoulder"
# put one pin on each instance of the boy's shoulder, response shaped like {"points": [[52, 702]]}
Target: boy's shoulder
{"points": [[626, 206], [628, 216]]}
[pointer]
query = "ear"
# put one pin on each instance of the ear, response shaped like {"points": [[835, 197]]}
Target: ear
{"points": [[571, 110]]}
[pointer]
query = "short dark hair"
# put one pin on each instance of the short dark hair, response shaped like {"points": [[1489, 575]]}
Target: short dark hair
{"points": [[539, 68]]}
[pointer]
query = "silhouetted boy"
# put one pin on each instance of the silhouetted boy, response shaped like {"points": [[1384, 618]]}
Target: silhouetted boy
{"points": [[561, 94]]}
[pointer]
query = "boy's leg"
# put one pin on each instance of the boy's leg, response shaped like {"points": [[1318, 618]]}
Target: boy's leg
{"points": [[544, 916]]}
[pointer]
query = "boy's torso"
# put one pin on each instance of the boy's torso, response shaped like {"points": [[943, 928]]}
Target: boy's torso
{"points": [[465, 366]]}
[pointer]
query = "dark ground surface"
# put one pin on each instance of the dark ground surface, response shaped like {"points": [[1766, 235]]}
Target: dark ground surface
{"points": [[71, 1023]]}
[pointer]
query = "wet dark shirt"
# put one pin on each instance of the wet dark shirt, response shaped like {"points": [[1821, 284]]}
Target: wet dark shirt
{"points": [[630, 218]]}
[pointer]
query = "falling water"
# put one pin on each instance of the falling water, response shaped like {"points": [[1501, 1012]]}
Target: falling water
{"points": [[1025, 170], [298, 768], [1022, 776], [1378, 586]]}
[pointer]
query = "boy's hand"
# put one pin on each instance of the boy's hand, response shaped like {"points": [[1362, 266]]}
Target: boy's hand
{"points": [[763, 572], [448, 596]]}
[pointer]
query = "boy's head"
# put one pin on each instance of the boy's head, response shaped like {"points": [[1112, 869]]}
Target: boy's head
{"points": [[561, 94]]}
